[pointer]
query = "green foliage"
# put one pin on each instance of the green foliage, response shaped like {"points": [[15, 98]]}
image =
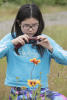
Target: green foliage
{"points": [[61, 2], [38, 2], [1, 1], [55, 2], [18, 1]]}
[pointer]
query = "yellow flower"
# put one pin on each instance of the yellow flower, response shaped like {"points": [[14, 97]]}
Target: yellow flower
{"points": [[17, 77], [35, 61], [38, 81], [23, 87], [40, 72], [33, 82]]}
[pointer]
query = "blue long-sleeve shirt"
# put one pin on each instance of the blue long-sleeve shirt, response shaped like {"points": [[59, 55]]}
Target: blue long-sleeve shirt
{"points": [[19, 67]]}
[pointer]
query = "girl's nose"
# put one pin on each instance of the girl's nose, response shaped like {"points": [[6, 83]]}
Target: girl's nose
{"points": [[30, 29]]}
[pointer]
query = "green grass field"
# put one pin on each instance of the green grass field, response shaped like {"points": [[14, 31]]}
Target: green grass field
{"points": [[59, 34]]}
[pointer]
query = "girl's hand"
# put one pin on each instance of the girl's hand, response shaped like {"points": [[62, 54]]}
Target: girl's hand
{"points": [[21, 39], [44, 42]]}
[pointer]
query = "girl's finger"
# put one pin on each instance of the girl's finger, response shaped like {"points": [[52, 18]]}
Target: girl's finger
{"points": [[39, 43], [21, 41], [45, 40], [40, 37], [42, 42], [25, 37]]}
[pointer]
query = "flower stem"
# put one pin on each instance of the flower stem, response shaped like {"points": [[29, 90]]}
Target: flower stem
{"points": [[32, 71]]}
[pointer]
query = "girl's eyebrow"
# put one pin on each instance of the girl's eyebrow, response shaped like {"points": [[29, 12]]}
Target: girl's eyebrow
{"points": [[31, 24]]}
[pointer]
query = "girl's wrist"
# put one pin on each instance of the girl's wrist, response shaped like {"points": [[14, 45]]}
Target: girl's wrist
{"points": [[51, 49]]}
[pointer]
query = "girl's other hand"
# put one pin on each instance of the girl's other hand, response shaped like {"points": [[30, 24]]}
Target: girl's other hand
{"points": [[44, 42], [20, 40]]}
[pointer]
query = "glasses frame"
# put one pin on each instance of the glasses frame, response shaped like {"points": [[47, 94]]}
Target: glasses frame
{"points": [[28, 26]]}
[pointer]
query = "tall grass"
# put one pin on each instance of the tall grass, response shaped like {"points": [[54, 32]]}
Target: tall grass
{"points": [[59, 34], [58, 77], [52, 9]]}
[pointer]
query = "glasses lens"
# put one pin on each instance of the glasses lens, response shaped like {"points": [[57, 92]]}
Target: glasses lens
{"points": [[28, 26]]}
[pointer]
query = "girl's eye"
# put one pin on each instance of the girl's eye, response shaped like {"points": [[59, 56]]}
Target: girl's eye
{"points": [[26, 25]]}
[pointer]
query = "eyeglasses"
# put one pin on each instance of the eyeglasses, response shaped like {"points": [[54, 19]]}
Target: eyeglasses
{"points": [[28, 26]]}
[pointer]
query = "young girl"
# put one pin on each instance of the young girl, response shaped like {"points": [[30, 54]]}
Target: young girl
{"points": [[18, 48]]}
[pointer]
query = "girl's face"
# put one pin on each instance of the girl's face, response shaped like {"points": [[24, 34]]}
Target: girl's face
{"points": [[29, 26]]}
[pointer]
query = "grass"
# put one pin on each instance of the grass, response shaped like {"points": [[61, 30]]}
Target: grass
{"points": [[58, 33], [52, 9], [8, 11]]}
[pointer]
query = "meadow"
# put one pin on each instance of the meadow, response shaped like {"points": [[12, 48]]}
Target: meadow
{"points": [[9, 10], [58, 73]]}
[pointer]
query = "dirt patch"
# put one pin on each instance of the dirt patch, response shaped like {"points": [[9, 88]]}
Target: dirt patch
{"points": [[55, 18]]}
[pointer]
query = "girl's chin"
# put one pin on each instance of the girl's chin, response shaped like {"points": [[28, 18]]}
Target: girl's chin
{"points": [[30, 35]]}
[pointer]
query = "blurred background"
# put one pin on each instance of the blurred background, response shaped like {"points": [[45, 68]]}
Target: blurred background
{"points": [[55, 17]]}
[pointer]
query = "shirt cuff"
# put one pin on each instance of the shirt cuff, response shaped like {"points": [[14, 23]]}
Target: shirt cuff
{"points": [[53, 53]]}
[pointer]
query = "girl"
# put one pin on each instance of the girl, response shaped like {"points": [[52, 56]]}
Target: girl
{"points": [[18, 49]]}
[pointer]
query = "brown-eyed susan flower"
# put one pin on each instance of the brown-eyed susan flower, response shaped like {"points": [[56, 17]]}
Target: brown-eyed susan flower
{"points": [[33, 82], [35, 61]]}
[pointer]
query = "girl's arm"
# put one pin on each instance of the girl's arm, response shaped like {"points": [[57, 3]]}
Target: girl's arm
{"points": [[55, 51], [59, 54], [5, 45]]}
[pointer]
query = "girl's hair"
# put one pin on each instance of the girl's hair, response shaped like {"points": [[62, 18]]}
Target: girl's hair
{"points": [[28, 11]]}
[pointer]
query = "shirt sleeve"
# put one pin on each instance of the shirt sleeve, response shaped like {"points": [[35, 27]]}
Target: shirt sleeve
{"points": [[58, 54], [5, 45]]}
